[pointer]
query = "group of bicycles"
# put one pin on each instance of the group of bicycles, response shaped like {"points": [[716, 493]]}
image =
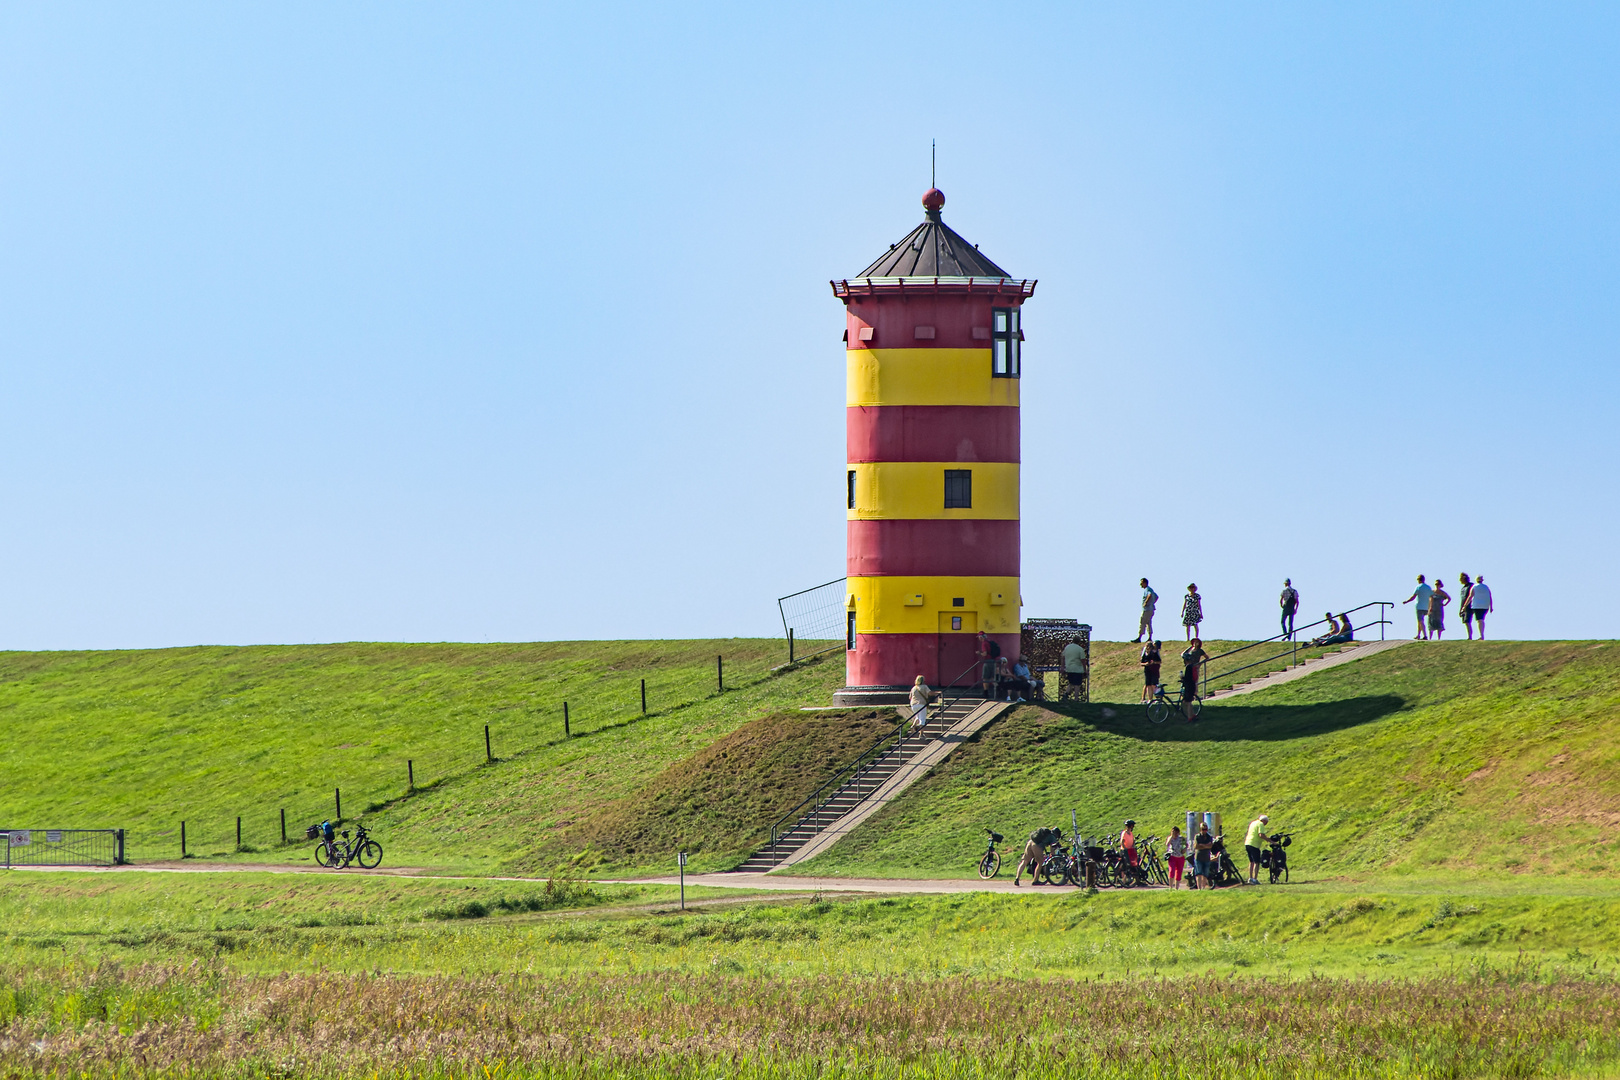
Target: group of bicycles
{"points": [[1104, 863]]}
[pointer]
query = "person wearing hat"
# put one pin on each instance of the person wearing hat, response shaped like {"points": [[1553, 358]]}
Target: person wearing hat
{"points": [[1251, 844]]}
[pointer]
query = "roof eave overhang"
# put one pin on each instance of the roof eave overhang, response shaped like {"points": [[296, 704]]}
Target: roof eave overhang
{"points": [[1021, 288]]}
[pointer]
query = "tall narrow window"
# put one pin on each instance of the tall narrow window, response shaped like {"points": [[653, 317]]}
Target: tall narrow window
{"points": [[1004, 342], [958, 489], [852, 489], [850, 632]]}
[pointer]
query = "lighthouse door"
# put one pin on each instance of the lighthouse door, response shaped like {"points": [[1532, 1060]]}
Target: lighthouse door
{"points": [[957, 647]]}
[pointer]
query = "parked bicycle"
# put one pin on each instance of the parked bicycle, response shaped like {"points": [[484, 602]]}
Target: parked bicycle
{"points": [[337, 854], [1165, 702], [990, 865], [1275, 858]]}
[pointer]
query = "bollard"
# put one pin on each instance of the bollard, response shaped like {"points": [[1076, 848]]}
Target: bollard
{"points": [[337, 801], [283, 824], [238, 832], [790, 644], [720, 673], [410, 776], [643, 697], [182, 839], [565, 720], [488, 757]]}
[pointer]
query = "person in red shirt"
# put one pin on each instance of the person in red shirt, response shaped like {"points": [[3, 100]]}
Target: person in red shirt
{"points": [[1127, 843]]}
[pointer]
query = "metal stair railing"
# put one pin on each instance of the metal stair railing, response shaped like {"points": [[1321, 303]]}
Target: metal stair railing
{"points": [[855, 771], [1293, 643]]}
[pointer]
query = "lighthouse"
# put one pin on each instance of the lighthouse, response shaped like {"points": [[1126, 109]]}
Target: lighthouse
{"points": [[934, 346]]}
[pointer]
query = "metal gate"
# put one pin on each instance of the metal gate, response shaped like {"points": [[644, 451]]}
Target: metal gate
{"points": [[63, 847]]}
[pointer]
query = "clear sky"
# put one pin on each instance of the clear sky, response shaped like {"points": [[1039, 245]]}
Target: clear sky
{"points": [[511, 322]]}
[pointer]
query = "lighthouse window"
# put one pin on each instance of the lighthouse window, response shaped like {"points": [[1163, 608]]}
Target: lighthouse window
{"points": [[852, 489], [1004, 341], [958, 489], [849, 631]]}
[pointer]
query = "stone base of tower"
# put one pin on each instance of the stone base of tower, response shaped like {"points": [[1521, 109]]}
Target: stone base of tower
{"points": [[882, 667]]}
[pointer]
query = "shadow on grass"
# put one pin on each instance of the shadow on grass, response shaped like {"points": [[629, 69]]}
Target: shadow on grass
{"points": [[1222, 722]]}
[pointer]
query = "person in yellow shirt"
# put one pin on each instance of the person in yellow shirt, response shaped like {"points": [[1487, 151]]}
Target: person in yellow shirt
{"points": [[1251, 844]]}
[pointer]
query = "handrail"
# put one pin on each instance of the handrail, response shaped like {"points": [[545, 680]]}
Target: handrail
{"points": [[858, 763], [1293, 640]]}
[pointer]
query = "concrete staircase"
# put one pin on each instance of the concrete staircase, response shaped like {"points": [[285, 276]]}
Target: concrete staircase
{"points": [[874, 784], [1357, 651]]}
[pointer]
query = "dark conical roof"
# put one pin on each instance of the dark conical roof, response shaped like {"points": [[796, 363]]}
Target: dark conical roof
{"points": [[933, 249]]}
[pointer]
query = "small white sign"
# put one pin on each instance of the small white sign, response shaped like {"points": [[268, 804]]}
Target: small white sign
{"points": [[53, 836], [682, 857], [20, 838]]}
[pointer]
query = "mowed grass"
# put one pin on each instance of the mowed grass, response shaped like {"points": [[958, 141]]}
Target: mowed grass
{"points": [[1110, 985], [145, 739], [1459, 758]]}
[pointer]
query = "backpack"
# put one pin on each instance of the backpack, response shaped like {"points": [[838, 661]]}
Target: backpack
{"points": [[995, 648], [1043, 837], [327, 831]]}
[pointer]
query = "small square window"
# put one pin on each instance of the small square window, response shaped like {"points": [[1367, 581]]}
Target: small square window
{"points": [[958, 489], [958, 601], [852, 489]]}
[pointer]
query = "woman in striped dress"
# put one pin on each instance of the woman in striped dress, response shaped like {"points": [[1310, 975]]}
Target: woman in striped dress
{"points": [[1192, 611]]}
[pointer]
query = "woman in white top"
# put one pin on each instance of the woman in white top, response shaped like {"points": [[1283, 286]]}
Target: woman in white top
{"points": [[921, 695]]}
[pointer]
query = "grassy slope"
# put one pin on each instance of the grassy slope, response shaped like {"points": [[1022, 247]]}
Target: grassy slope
{"points": [[143, 739], [1427, 760]]}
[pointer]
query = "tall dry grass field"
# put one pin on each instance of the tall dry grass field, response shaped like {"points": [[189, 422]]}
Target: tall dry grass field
{"points": [[154, 1020]]}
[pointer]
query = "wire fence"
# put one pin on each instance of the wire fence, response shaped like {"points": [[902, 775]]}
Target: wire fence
{"points": [[63, 847], [814, 620]]}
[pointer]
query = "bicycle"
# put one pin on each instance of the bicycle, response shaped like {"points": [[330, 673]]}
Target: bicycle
{"points": [[1060, 867], [1275, 859], [362, 849], [990, 865], [1163, 703]]}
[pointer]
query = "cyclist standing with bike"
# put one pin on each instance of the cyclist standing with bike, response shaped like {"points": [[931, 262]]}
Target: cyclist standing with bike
{"points": [[1191, 658], [1251, 846]]}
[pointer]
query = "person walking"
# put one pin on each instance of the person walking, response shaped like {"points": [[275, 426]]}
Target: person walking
{"points": [[1290, 604], [1151, 659], [1192, 611], [921, 695], [1175, 855], [1479, 602], [1150, 600], [1437, 609], [1422, 594], [1251, 846], [1191, 657], [1464, 587], [1203, 852]]}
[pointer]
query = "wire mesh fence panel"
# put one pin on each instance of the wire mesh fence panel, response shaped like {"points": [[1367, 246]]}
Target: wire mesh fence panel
{"points": [[814, 619], [63, 847]]}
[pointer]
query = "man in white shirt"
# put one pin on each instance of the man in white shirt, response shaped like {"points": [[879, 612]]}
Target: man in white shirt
{"points": [[1479, 602], [1421, 594], [1150, 600], [1074, 665]]}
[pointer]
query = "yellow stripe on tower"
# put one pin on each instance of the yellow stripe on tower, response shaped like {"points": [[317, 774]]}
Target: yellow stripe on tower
{"points": [[916, 489], [909, 604], [926, 377]]}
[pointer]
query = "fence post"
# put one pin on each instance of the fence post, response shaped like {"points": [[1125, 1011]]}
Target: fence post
{"points": [[790, 644], [182, 839], [566, 735], [119, 838], [337, 802], [283, 824], [488, 757], [643, 697], [410, 775], [720, 673], [238, 832]]}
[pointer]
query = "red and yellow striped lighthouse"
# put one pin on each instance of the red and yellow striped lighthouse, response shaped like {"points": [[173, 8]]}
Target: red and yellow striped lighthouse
{"points": [[934, 356]]}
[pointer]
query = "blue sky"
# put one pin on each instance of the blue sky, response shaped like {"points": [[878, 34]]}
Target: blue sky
{"points": [[511, 322]]}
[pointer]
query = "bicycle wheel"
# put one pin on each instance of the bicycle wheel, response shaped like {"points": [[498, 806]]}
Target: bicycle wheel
{"points": [[320, 855], [1158, 710], [990, 865], [370, 854], [1197, 707]]}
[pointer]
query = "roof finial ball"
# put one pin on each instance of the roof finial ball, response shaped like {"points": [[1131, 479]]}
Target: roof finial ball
{"points": [[933, 202]]}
